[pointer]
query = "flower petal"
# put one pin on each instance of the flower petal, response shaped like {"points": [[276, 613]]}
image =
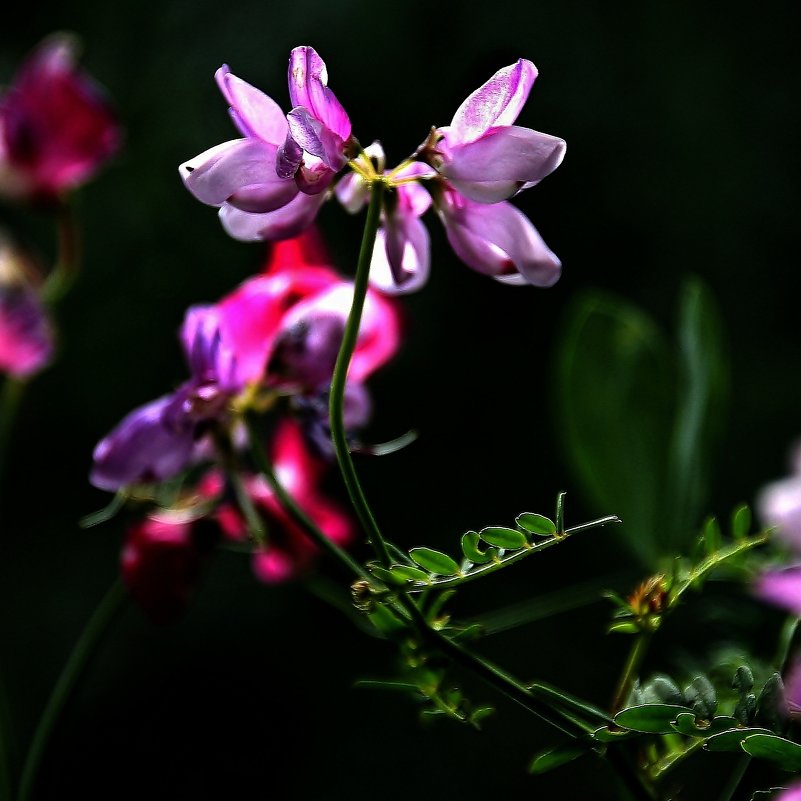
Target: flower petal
{"points": [[26, 338], [245, 166], [282, 223], [497, 102], [498, 240], [308, 79], [781, 587], [254, 113], [401, 257], [499, 164]]}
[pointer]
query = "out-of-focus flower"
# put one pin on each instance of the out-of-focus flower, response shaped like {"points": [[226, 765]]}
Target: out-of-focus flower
{"points": [[288, 550], [270, 184], [792, 793], [779, 506], [26, 337], [56, 127], [161, 560], [280, 331]]}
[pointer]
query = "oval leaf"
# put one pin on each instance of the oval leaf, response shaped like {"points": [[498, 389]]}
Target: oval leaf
{"points": [[785, 753], [387, 576], [509, 538], [730, 740], [687, 724], [548, 760], [607, 735], [435, 561], [650, 718], [408, 573], [472, 552], [536, 524]]}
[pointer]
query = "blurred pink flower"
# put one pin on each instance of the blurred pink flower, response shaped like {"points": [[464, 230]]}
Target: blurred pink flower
{"points": [[56, 127]]}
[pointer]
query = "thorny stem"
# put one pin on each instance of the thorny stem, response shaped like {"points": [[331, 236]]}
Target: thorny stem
{"points": [[78, 659], [337, 396], [294, 511]]}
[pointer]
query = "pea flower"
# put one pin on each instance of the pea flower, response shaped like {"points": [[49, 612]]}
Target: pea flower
{"points": [[26, 336], [56, 127], [779, 506]]}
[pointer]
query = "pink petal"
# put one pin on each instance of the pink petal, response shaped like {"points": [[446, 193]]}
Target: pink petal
{"points": [[498, 240], [781, 587], [286, 222], [308, 79], [401, 257], [254, 113], [242, 165], [26, 338], [500, 163], [496, 103], [779, 505]]}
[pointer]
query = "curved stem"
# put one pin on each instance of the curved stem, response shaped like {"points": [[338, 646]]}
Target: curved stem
{"points": [[632, 666], [297, 515], [336, 400], [78, 659], [61, 279]]}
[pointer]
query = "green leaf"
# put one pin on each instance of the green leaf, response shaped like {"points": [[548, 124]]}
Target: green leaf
{"points": [[408, 573], [613, 360], [548, 760], [536, 524], [386, 622], [700, 402], [387, 576], [560, 513], [730, 740], [777, 749], [650, 718], [624, 628], [479, 714], [741, 522], [686, 723], [435, 561], [472, 552], [607, 735], [711, 535], [508, 538]]}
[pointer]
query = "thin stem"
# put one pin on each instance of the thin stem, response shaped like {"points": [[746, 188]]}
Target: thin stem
{"points": [[5, 743], [336, 401], [630, 669], [78, 659], [294, 511], [12, 392], [736, 777], [70, 250]]}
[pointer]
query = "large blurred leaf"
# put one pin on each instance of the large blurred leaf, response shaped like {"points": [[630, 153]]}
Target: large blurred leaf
{"points": [[639, 416], [700, 398], [615, 399]]}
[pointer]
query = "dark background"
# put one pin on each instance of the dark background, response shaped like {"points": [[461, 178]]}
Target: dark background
{"points": [[682, 125]]}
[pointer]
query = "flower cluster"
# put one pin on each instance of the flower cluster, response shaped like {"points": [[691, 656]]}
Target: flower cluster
{"points": [[270, 183], [270, 345], [56, 127]]}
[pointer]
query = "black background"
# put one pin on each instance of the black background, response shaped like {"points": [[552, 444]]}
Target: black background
{"points": [[682, 125]]}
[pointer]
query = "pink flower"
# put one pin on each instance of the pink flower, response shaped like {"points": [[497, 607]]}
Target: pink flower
{"points": [[26, 337], [288, 551], [161, 560], [270, 184], [792, 793], [56, 127], [482, 154]]}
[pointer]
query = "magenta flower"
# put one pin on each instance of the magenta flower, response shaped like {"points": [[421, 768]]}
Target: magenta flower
{"points": [[26, 338], [792, 793], [56, 127], [161, 560], [482, 154]]}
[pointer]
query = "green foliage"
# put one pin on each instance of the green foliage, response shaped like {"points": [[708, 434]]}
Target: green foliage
{"points": [[785, 753], [435, 562], [555, 757], [640, 415]]}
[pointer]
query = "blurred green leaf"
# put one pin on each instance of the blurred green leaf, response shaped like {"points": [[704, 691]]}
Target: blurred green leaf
{"points": [[509, 538], [480, 714], [741, 521], [686, 723], [785, 753], [730, 740], [700, 400], [553, 758], [536, 524], [435, 561], [615, 403]]}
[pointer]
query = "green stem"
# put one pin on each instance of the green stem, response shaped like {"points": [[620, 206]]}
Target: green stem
{"points": [[78, 659], [337, 396], [63, 276], [294, 511], [5, 743], [736, 777], [13, 390], [630, 669]]}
